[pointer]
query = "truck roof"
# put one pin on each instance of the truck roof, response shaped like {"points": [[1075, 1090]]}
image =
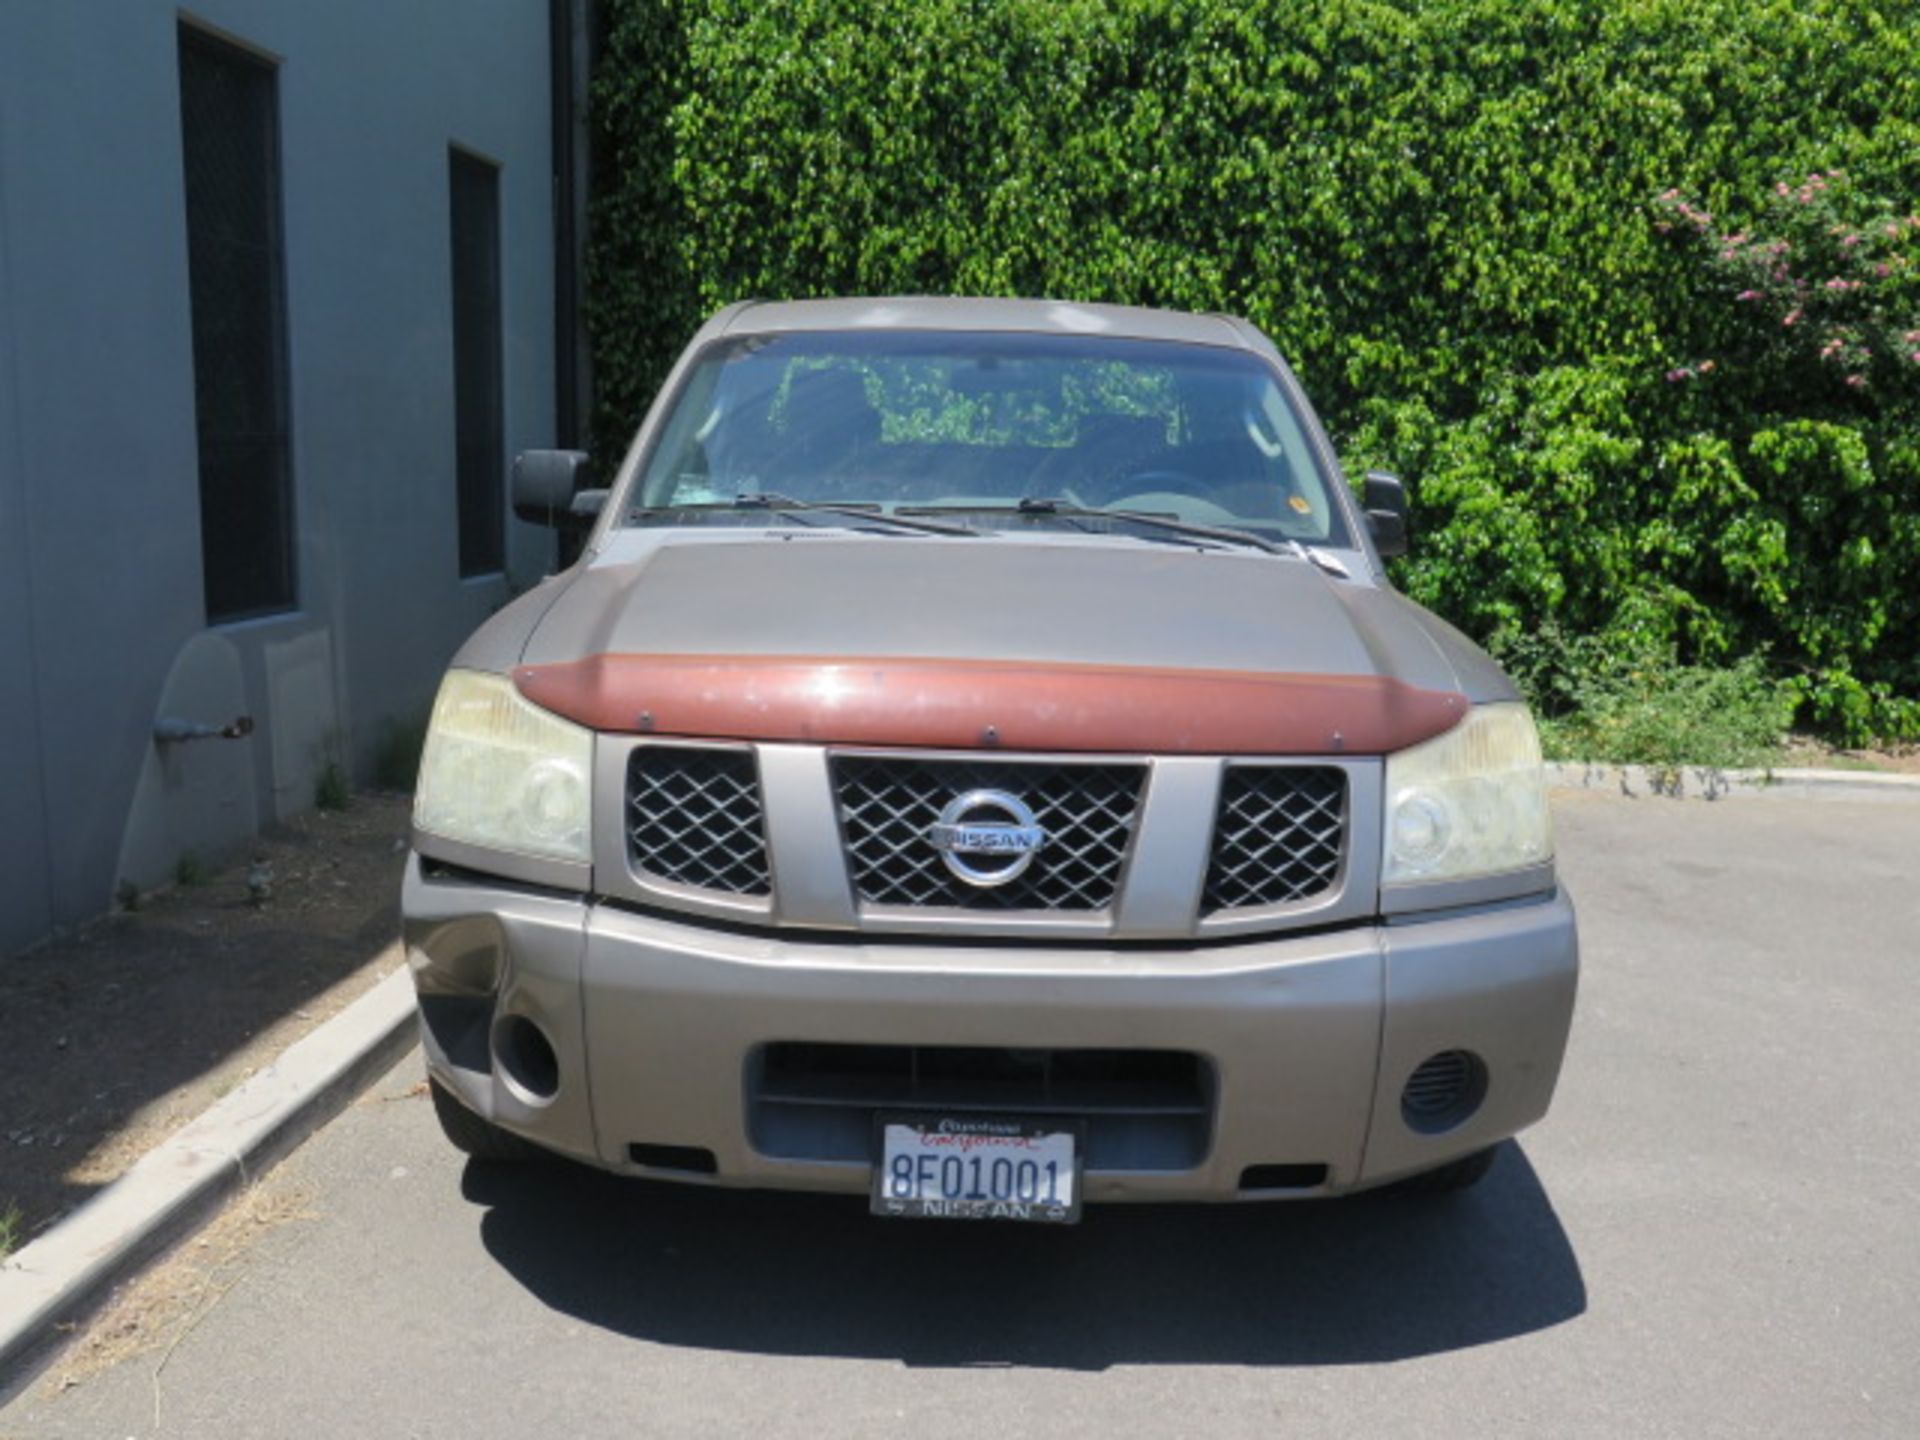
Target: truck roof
{"points": [[921, 312]]}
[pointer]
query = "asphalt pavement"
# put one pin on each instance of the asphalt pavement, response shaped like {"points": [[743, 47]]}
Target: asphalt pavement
{"points": [[1715, 1233]]}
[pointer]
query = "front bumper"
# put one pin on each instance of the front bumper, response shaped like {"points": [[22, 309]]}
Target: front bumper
{"points": [[657, 1026]]}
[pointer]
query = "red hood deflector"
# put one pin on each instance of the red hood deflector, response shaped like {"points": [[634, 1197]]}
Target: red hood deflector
{"points": [[990, 704]]}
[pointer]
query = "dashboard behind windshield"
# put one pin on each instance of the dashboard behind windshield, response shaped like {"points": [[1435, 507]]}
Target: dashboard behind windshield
{"points": [[910, 419]]}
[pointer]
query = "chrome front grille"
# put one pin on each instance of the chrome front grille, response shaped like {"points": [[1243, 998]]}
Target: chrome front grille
{"points": [[1279, 835], [694, 818], [888, 803], [799, 836]]}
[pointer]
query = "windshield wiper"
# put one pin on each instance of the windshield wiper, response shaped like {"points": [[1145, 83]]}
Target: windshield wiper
{"points": [[773, 501], [1067, 510]]}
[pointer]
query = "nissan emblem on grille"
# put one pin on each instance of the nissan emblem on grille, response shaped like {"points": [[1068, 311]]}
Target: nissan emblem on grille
{"points": [[987, 823]]}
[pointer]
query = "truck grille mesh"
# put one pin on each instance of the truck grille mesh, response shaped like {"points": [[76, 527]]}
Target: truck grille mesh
{"points": [[887, 804], [693, 817], [1278, 835]]}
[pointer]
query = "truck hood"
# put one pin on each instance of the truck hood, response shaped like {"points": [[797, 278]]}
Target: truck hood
{"points": [[1056, 643]]}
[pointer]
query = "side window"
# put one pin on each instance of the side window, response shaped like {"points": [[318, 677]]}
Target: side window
{"points": [[478, 424], [230, 138]]}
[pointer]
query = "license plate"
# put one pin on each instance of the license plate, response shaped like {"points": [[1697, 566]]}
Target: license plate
{"points": [[978, 1167]]}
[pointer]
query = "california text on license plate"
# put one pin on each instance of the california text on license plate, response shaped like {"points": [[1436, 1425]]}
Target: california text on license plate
{"points": [[978, 1167]]}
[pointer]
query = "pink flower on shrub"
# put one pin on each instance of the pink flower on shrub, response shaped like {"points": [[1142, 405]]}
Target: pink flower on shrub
{"points": [[1857, 382], [1792, 317], [1747, 295], [1674, 377], [1838, 284]]}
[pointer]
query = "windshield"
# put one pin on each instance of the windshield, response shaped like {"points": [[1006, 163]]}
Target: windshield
{"points": [[978, 422]]}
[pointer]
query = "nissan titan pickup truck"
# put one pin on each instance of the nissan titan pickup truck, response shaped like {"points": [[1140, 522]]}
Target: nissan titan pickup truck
{"points": [[978, 762]]}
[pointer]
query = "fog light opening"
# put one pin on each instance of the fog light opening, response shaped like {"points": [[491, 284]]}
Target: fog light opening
{"points": [[1444, 1092], [526, 1057]]}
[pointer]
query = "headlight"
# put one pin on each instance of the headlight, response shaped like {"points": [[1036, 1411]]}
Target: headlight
{"points": [[503, 773], [1470, 802]]}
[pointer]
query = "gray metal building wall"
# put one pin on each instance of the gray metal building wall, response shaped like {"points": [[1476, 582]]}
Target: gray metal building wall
{"points": [[102, 626]]}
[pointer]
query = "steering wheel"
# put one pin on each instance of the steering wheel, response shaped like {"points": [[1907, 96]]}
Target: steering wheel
{"points": [[1167, 489], [1039, 485], [1180, 504], [1123, 479], [1159, 477]]}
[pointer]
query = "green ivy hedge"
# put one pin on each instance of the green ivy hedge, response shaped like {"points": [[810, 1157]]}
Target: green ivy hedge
{"points": [[1472, 225]]}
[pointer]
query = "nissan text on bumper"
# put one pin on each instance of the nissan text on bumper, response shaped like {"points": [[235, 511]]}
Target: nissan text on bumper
{"points": [[978, 762]]}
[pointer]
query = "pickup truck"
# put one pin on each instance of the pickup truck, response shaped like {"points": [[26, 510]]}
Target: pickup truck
{"points": [[978, 762]]}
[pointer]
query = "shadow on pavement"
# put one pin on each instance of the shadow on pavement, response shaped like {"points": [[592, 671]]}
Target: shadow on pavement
{"points": [[1377, 1277]]}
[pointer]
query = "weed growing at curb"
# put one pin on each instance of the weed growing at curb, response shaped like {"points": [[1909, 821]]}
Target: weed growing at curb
{"points": [[1730, 719], [11, 1224], [331, 791], [1626, 699]]}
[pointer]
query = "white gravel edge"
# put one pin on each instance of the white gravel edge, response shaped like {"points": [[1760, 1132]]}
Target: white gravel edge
{"points": [[177, 1185], [1700, 782]]}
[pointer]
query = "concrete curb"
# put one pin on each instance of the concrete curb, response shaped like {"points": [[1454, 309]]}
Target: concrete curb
{"points": [[1701, 782], [174, 1187]]}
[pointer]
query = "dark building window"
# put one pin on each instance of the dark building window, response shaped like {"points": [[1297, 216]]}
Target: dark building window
{"points": [[479, 442], [230, 135]]}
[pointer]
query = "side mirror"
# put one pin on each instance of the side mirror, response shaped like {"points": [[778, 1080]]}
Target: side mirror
{"points": [[546, 488], [1384, 498]]}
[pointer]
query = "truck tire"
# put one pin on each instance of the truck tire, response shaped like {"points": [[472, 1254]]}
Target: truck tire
{"points": [[473, 1136]]}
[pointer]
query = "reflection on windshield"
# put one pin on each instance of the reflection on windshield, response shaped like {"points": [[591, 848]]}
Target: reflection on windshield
{"points": [[917, 419]]}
